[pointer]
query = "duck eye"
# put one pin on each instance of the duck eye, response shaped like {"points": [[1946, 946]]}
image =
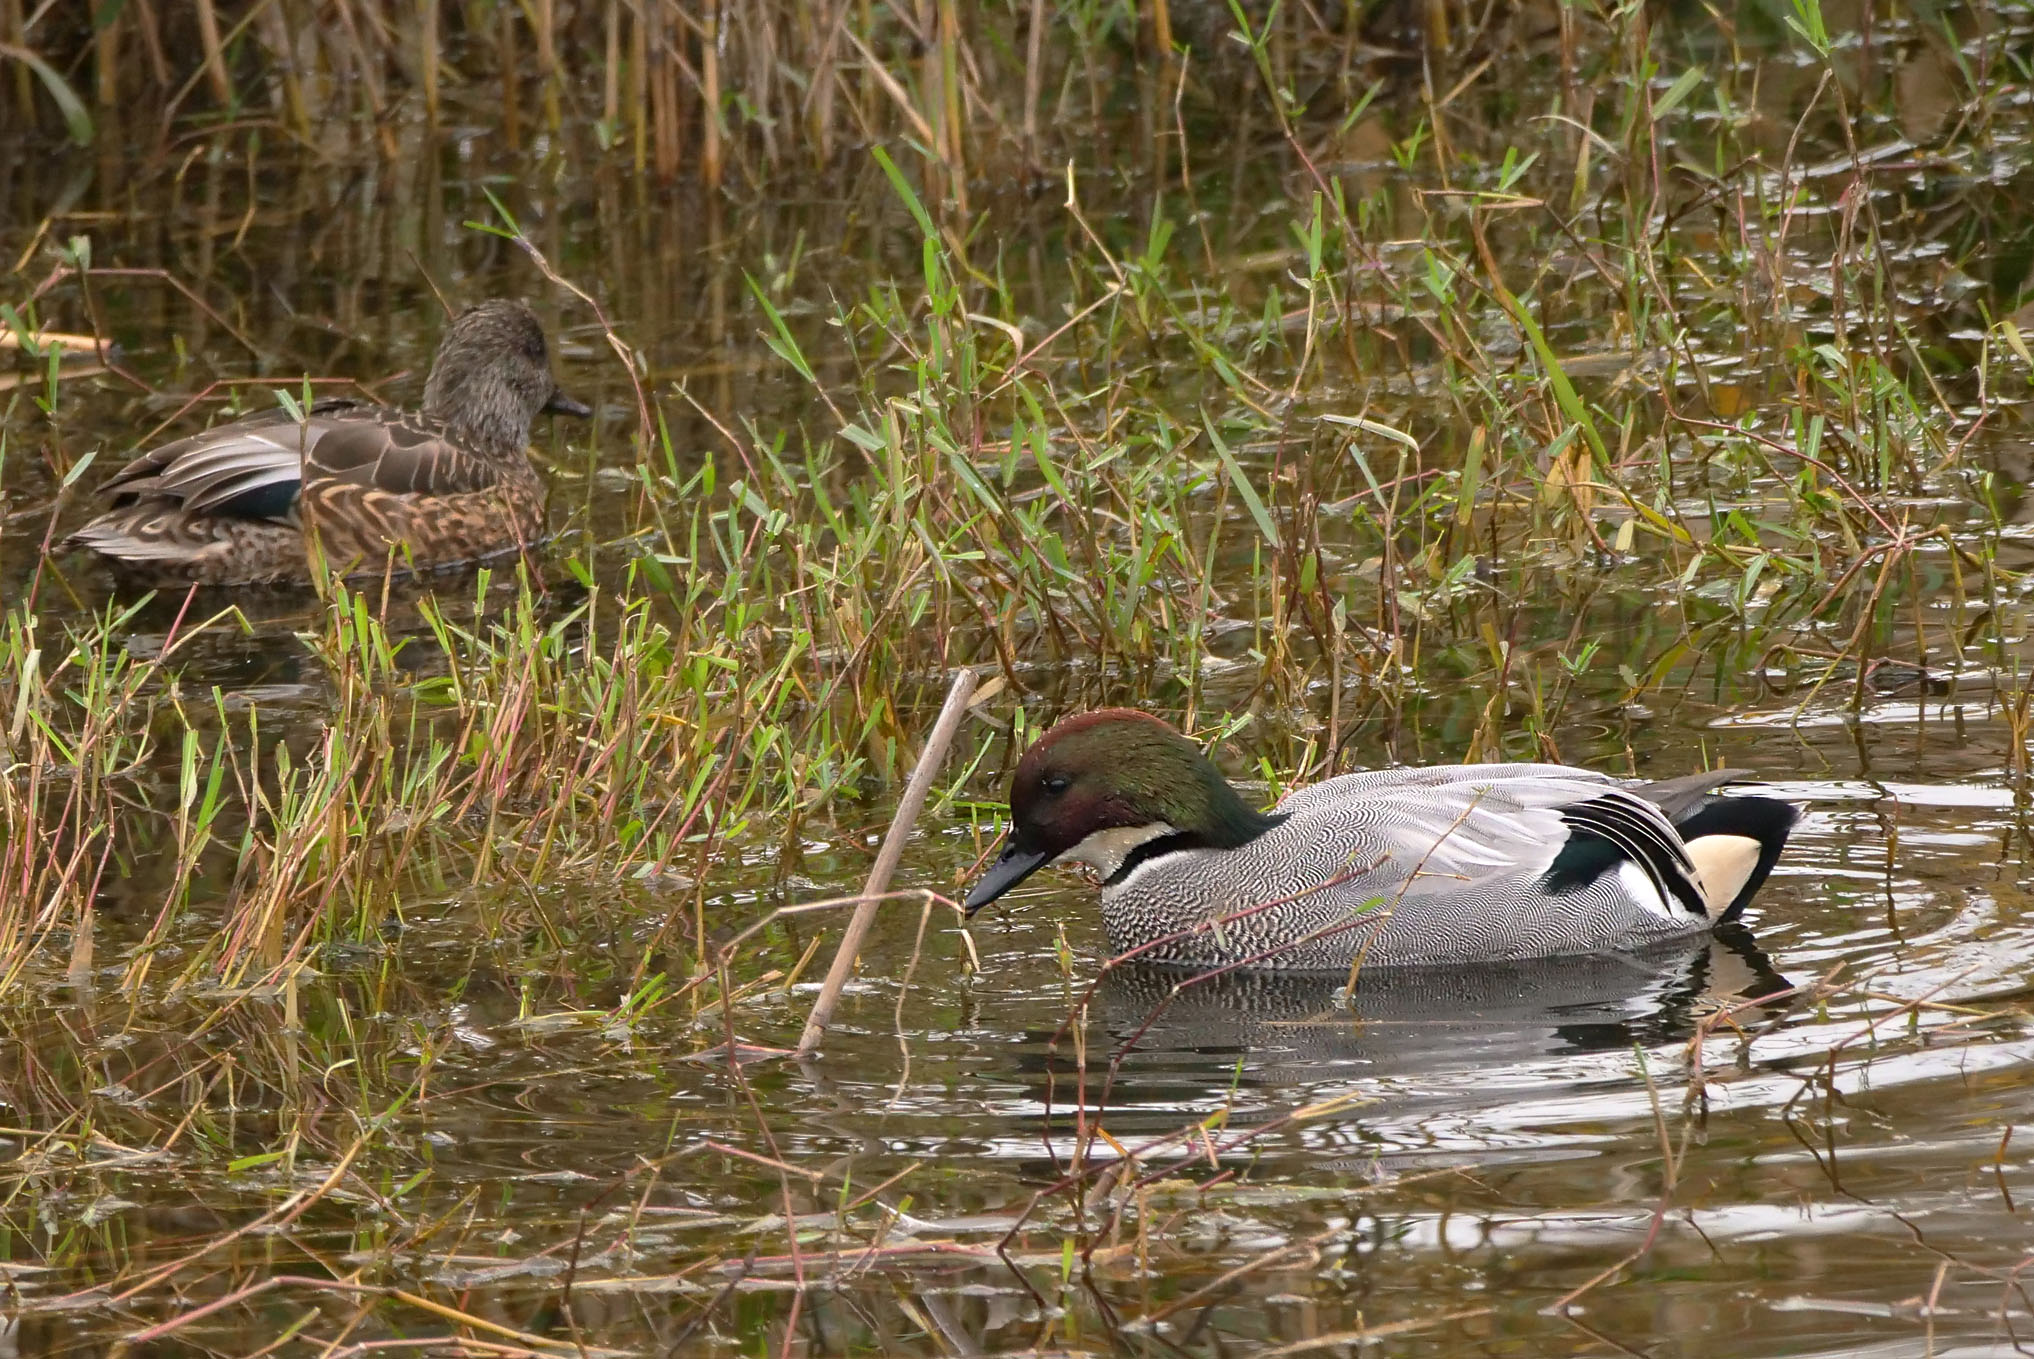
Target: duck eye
{"points": [[1055, 784]]}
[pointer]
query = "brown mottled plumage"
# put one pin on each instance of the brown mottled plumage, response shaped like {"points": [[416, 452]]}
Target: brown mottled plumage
{"points": [[243, 503]]}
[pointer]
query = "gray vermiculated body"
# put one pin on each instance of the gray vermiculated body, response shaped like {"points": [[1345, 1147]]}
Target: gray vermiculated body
{"points": [[1421, 865]]}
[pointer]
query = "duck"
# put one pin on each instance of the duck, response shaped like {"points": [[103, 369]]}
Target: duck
{"points": [[359, 485], [1391, 867]]}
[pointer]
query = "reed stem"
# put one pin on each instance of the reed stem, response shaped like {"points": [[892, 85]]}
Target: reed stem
{"points": [[908, 807]]}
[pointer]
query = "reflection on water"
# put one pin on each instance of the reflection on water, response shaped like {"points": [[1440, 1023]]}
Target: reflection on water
{"points": [[1491, 1137], [1430, 1026]]}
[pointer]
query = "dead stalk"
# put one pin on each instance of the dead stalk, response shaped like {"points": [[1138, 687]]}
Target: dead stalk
{"points": [[887, 857]]}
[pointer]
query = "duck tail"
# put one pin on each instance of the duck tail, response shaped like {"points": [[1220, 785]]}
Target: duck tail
{"points": [[136, 533], [1734, 843], [156, 542]]}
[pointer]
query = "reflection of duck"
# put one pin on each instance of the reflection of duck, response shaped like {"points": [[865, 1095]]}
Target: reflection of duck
{"points": [[1417, 1020], [237, 504], [1392, 867], [1413, 1044]]}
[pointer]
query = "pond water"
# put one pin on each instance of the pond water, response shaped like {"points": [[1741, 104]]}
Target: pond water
{"points": [[491, 1106]]}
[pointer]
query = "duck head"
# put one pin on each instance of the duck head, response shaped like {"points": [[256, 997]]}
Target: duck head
{"points": [[492, 377], [1106, 789]]}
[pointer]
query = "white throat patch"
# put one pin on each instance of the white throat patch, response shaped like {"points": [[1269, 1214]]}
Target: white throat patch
{"points": [[1105, 850]]}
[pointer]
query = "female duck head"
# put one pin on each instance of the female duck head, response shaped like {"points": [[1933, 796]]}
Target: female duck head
{"points": [[492, 377], [1102, 785]]}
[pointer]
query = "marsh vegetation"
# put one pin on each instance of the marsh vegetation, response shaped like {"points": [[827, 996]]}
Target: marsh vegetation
{"points": [[1639, 387]]}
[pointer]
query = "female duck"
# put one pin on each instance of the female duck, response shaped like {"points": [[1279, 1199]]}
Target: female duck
{"points": [[245, 502], [1395, 866]]}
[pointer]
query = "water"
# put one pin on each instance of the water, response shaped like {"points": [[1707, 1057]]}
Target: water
{"points": [[1803, 1138]]}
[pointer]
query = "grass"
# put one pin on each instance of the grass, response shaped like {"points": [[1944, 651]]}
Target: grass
{"points": [[1354, 407]]}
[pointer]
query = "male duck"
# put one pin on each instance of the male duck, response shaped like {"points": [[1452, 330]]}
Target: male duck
{"points": [[1395, 866], [241, 503]]}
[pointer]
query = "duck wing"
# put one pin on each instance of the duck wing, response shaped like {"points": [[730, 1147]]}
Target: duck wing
{"points": [[1445, 829], [399, 454], [251, 468], [255, 468], [1683, 797], [1570, 825]]}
